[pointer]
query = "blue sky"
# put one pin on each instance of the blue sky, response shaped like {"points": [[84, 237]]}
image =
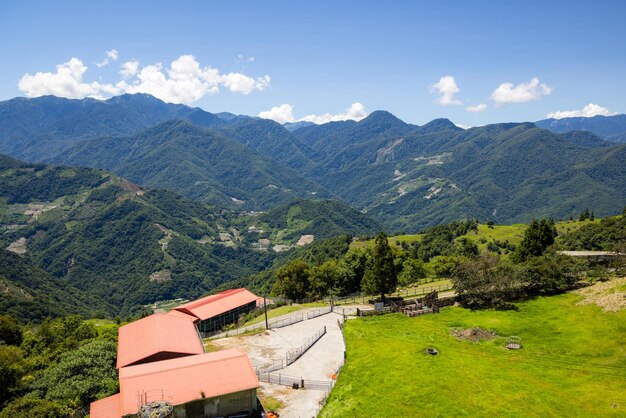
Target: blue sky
{"points": [[418, 60]]}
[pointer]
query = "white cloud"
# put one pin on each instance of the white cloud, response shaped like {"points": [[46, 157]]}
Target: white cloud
{"points": [[463, 126], [243, 59], [281, 114], [525, 92], [284, 113], [477, 108], [185, 81], [356, 111], [109, 55], [129, 68], [67, 81], [447, 88], [240, 83], [588, 111]]}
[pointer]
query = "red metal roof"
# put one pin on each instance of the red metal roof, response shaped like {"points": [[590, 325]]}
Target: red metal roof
{"points": [[214, 305], [183, 379], [158, 333], [106, 408], [183, 314]]}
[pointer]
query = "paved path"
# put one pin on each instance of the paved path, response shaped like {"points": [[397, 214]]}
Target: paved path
{"points": [[320, 362]]}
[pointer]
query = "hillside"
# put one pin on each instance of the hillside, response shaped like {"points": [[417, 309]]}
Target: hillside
{"points": [[31, 294], [507, 173], [322, 218], [199, 163], [108, 237], [611, 128]]}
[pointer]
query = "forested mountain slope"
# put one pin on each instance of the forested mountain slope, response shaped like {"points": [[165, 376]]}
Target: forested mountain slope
{"points": [[199, 163], [111, 239]]}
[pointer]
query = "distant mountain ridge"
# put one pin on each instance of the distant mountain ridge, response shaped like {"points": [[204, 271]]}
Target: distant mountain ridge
{"points": [[611, 128], [36, 129], [407, 177]]}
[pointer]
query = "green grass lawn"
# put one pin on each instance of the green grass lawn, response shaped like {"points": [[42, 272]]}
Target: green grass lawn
{"points": [[393, 241], [573, 363], [104, 325]]}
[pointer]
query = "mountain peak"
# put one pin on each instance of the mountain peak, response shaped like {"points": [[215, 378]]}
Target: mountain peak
{"points": [[378, 116], [440, 124]]}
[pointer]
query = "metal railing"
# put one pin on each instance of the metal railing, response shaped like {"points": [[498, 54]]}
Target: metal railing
{"points": [[295, 353], [287, 321], [404, 293], [291, 356], [318, 312]]}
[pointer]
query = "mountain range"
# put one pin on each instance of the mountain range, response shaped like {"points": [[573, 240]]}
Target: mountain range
{"points": [[406, 177], [611, 128], [81, 240]]}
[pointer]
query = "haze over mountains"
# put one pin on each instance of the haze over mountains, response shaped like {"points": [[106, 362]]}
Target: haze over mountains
{"points": [[405, 176], [611, 128]]}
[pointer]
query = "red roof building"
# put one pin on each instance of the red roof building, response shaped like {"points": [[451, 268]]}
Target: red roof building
{"points": [[157, 337], [210, 384], [216, 311], [106, 408]]}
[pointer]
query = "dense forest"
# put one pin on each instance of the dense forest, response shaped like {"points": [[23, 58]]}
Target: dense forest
{"points": [[56, 368]]}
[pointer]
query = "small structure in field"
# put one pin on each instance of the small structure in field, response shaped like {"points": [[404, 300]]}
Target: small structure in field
{"points": [[513, 343]]}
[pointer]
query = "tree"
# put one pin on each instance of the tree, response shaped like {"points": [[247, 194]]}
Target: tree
{"points": [[34, 407], [537, 238], [444, 265], [10, 358], [465, 247], [10, 330], [412, 271], [381, 278], [353, 267], [550, 274], [324, 279], [485, 282], [292, 280], [584, 215], [81, 376]]}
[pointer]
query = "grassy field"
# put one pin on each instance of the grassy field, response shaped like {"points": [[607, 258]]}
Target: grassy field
{"points": [[393, 241], [573, 363], [104, 325], [512, 233]]}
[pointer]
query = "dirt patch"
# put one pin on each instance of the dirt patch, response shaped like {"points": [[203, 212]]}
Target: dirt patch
{"points": [[473, 334], [161, 276], [19, 246], [609, 295]]}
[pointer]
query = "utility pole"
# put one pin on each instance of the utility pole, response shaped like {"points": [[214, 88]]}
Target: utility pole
{"points": [[265, 306]]}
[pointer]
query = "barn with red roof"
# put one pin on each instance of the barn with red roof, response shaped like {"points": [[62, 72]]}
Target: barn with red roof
{"points": [[157, 337], [214, 312], [164, 371], [215, 384]]}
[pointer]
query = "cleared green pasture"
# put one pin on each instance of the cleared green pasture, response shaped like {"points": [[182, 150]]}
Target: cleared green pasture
{"points": [[573, 363]]}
